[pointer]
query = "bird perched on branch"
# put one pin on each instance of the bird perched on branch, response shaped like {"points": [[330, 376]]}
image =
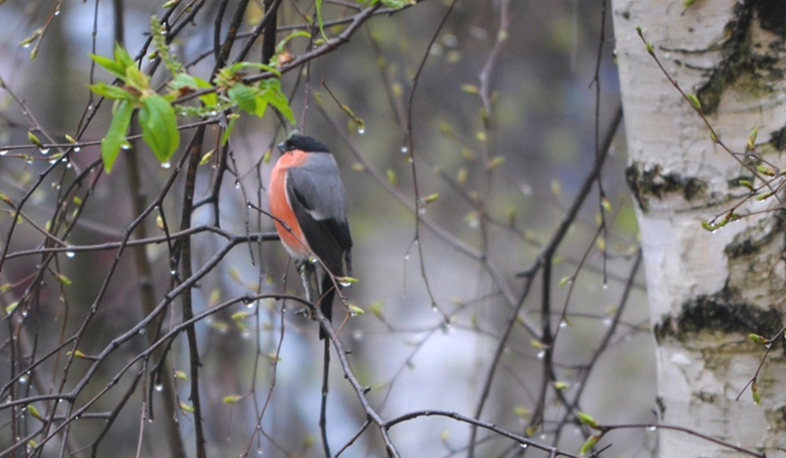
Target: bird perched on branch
{"points": [[307, 198]]}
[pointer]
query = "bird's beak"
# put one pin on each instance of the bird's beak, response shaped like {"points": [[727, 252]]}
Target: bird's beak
{"points": [[282, 147]]}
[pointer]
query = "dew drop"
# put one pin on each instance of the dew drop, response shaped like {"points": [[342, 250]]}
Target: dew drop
{"points": [[126, 146], [523, 446], [607, 321], [27, 45], [57, 12], [70, 254], [357, 335], [361, 130], [77, 149], [173, 273], [251, 304], [404, 149], [3, 152], [237, 185], [213, 113], [159, 387], [652, 428], [43, 151], [563, 324], [541, 354], [142, 332], [166, 165], [23, 379], [29, 160], [68, 165]]}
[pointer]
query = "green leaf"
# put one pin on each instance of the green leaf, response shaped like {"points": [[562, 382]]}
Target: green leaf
{"points": [[110, 65], [242, 315], [123, 58], [376, 308], [77, 354], [232, 399], [755, 338], [34, 412], [392, 177], [185, 81], [138, 80], [694, 101], [210, 99], [116, 136], [159, 126], [186, 408], [34, 140], [752, 138], [244, 96], [272, 94], [298, 33], [228, 130], [10, 308], [207, 157], [589, 444], [588, 420], [397, 4], [318, 6], [110, 92]]}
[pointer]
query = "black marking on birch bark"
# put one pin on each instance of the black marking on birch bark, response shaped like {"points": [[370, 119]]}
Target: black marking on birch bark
{"points": [[647, 183], [747, 67], [752, 240], [718, 313]]}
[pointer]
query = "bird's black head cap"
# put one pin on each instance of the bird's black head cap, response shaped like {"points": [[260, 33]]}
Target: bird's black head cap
{"points": [[303, 143]]}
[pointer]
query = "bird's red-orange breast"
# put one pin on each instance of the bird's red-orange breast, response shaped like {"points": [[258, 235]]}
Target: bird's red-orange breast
{"points": [[280, 207]]}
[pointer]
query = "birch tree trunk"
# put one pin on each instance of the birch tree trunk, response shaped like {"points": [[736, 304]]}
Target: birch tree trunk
{"points": [[708, 290]]}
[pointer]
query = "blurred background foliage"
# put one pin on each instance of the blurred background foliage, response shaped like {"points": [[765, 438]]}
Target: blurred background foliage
{"points": [[501, 190]]}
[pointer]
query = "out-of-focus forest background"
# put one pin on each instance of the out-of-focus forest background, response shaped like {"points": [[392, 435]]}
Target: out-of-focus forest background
{"points": [[486, 199]]}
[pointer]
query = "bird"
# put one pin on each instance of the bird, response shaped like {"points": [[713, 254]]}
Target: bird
{"points": [[308, 203]]}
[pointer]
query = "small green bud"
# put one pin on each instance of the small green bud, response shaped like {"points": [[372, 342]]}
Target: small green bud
{"points": [[588, 420]]}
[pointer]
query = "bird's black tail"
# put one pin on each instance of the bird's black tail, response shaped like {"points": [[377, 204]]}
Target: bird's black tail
{"points": [[327, 293]]}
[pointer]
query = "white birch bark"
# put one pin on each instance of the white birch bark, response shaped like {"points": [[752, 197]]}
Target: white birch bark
{"points": [[708, 291]]}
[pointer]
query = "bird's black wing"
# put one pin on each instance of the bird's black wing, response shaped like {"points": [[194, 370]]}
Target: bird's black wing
{"points": [[316, 194]]}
